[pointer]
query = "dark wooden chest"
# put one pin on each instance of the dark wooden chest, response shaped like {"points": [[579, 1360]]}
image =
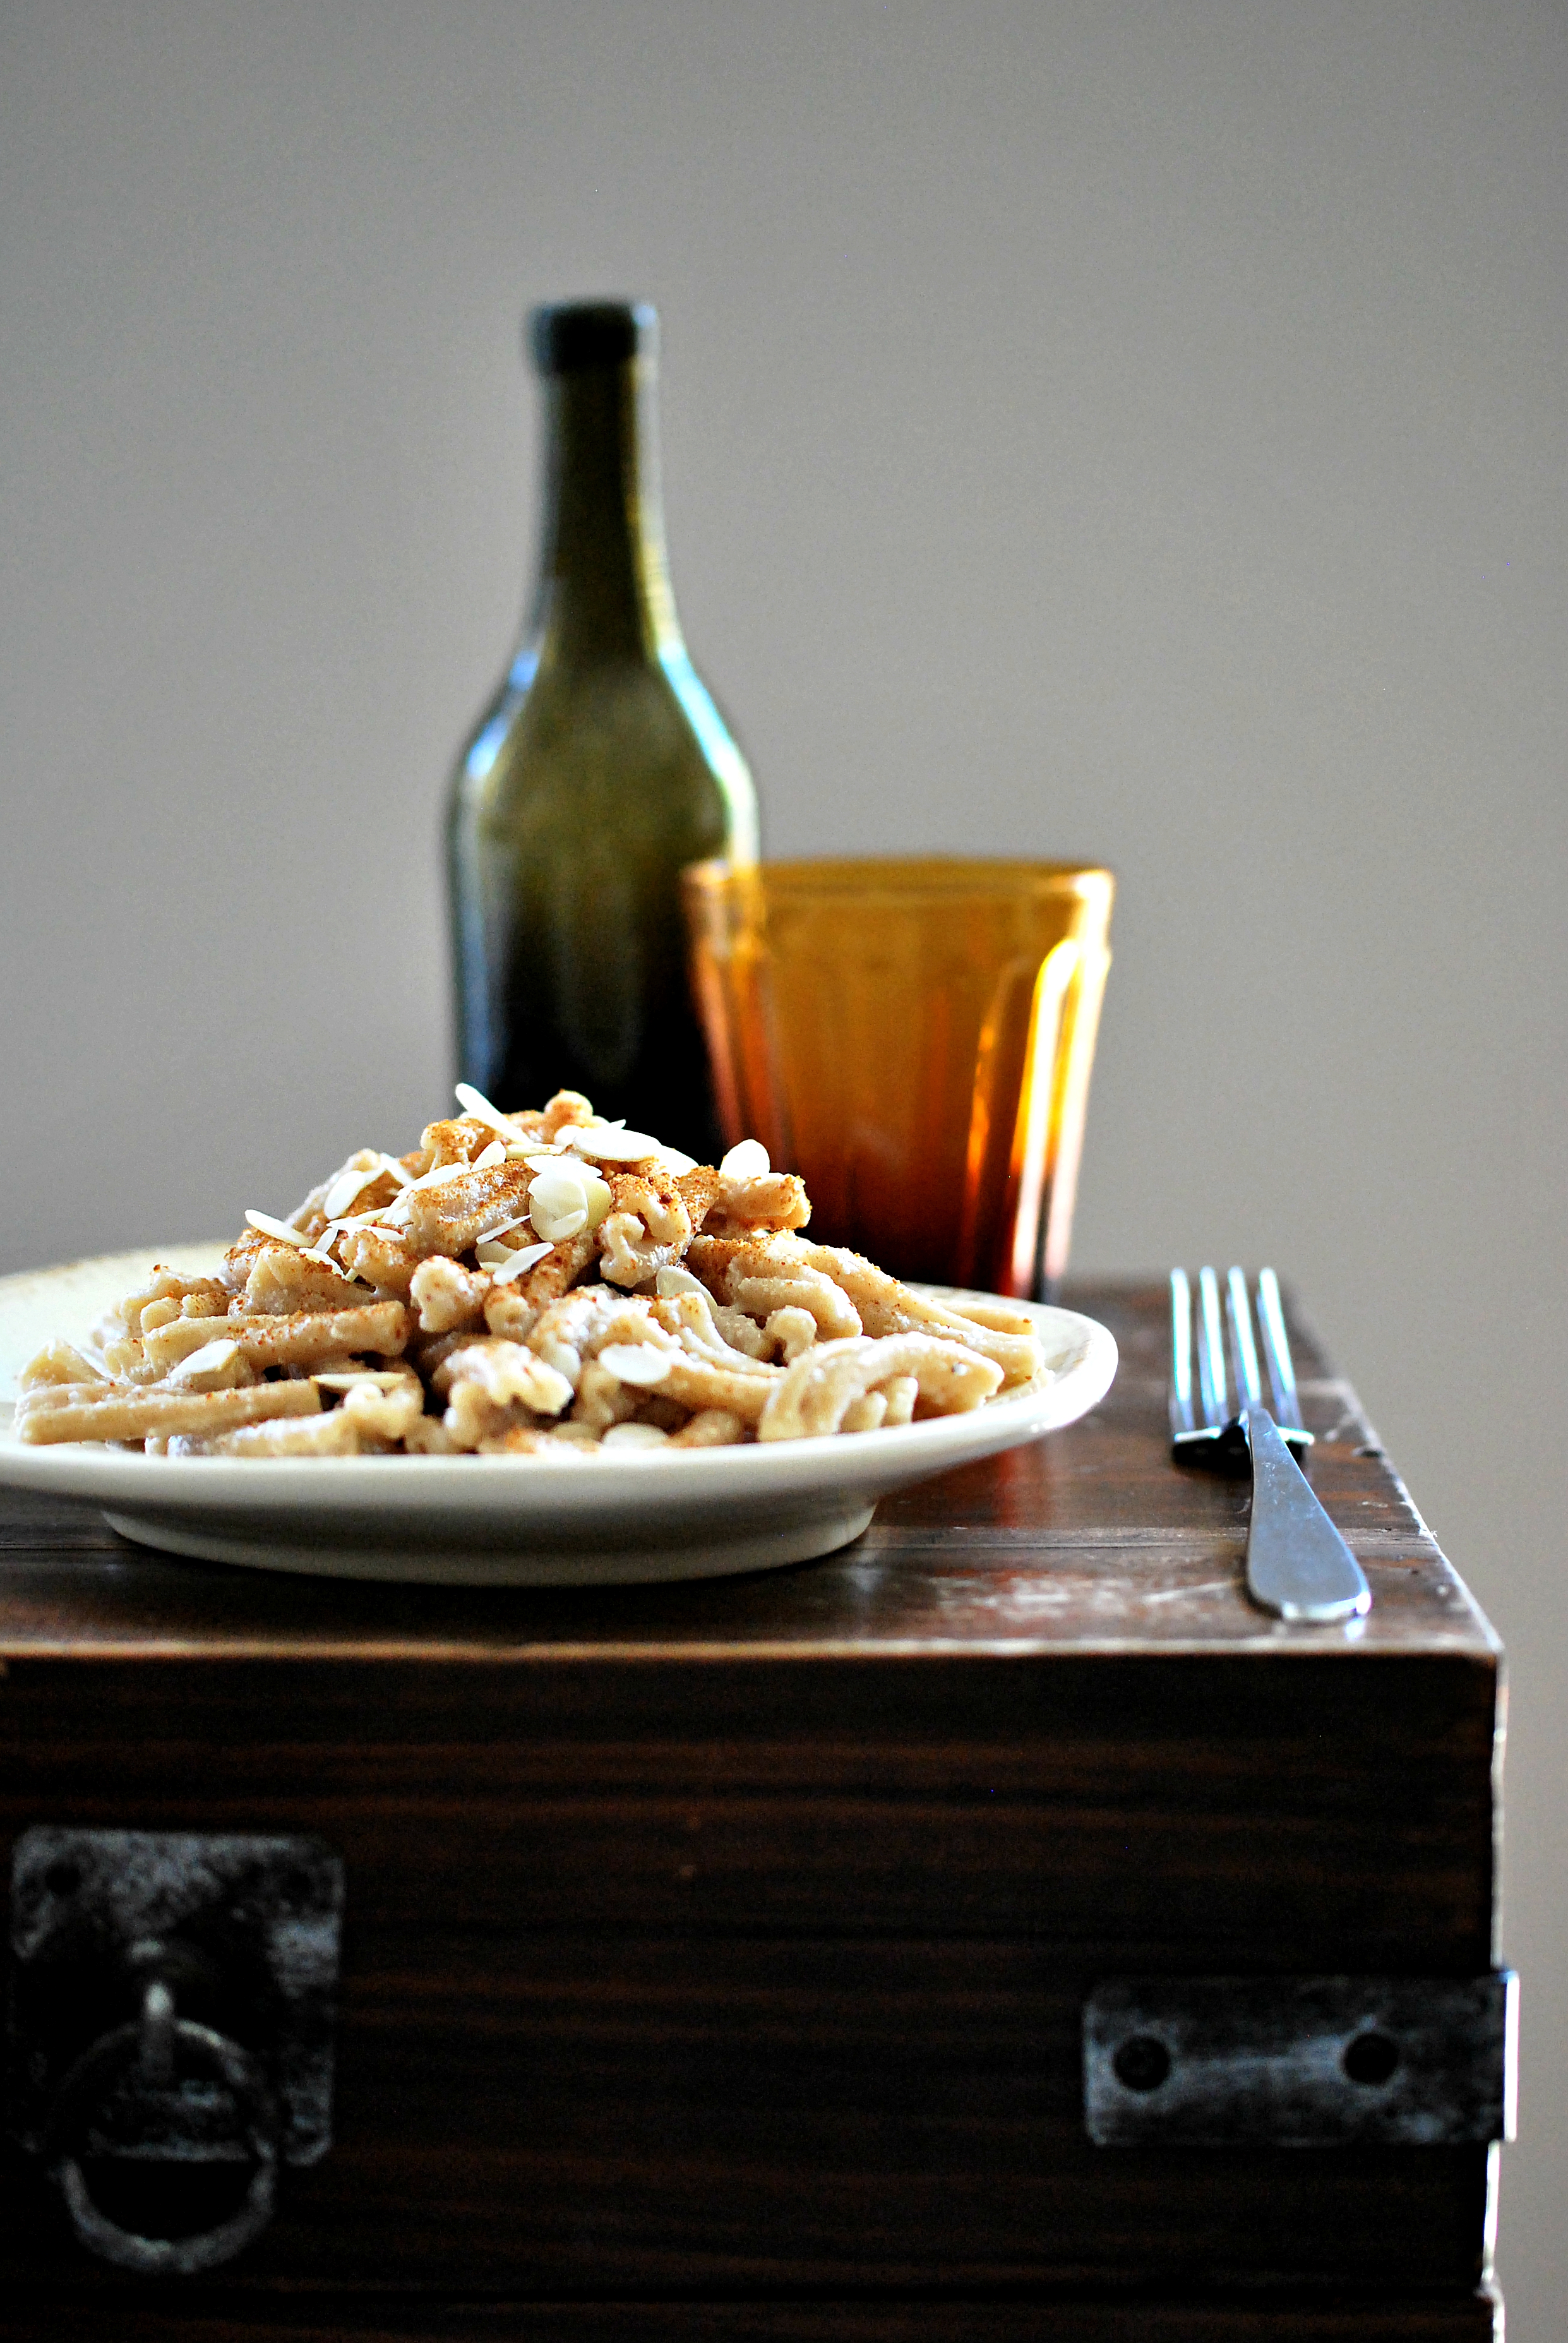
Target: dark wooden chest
{"points": [[714, 1958]]}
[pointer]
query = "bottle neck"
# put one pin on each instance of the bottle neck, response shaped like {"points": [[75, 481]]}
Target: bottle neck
{"points": [[604, 587]]}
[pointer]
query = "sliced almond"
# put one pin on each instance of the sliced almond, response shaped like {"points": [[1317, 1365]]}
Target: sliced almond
{"points": [[349, 1377], [623, 1437], [267, 1227], [747, 1161], [530, 1257], [503, 1228], [670, 1282], [617, 1146], [474, 1102], [321, 1250], [348, 1184], [643, 1364], [201, 1368], [560, 1201]]}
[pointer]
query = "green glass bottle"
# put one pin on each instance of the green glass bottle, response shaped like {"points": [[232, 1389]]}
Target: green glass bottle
{"points": [[600, 768]]}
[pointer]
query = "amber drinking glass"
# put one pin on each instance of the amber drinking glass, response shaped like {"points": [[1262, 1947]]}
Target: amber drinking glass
{"points": [[915, 1038]]}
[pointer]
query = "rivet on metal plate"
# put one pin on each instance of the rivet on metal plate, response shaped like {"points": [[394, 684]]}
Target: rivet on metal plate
{"points": [[1300, 2062]]}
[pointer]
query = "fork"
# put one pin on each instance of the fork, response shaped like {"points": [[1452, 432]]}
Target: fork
{"points": [[1298, 1565]]}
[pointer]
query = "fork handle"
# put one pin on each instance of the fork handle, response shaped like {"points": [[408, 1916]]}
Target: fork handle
{"points": [[1298, 1565]]}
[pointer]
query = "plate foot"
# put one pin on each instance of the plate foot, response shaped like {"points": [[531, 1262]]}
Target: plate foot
{"points": [[586, 1565]]}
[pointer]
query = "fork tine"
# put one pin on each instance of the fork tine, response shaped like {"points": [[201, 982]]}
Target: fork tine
{"points": [[1211, 1350], [1181, 1419], [1277, 1347], [1243, 1350], [1234, 1342]]}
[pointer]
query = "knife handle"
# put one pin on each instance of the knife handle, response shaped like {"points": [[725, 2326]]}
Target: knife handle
{"points": [[1298, 1565]]}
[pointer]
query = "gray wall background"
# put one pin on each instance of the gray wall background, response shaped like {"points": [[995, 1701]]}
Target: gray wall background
{"points": [[1126, 430]]}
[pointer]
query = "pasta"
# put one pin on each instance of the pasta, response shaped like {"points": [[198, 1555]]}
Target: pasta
{"points": [[544, 1284]]}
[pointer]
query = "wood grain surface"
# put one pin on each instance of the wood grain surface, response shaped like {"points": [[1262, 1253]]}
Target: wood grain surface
{"points": [[1470, 2319], [727, 1942]]}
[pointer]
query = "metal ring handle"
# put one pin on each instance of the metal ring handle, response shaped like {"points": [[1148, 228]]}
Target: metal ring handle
{"points": [[85, 2086]]}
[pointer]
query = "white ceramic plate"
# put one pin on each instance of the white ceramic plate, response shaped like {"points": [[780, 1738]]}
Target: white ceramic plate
{"points": [[508, 1520]]}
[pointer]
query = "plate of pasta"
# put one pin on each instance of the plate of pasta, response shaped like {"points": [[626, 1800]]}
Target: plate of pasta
{"points": [[536, 1349]]}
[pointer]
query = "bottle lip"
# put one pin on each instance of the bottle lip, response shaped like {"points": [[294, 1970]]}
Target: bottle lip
{"points": [[564, 337]]}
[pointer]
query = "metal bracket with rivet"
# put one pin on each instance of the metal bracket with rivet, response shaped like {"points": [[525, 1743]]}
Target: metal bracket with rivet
{"points": [[1300, 2061]]}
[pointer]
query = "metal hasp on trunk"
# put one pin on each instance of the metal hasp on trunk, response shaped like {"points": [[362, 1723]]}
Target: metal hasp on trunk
{"points": [[172, 2004]]}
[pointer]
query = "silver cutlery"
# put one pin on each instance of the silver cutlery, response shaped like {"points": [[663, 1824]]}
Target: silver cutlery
{"points": [[1298, 1565]]}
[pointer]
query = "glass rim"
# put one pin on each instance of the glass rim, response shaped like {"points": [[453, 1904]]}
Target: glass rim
{"points": [[924, 876]]}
